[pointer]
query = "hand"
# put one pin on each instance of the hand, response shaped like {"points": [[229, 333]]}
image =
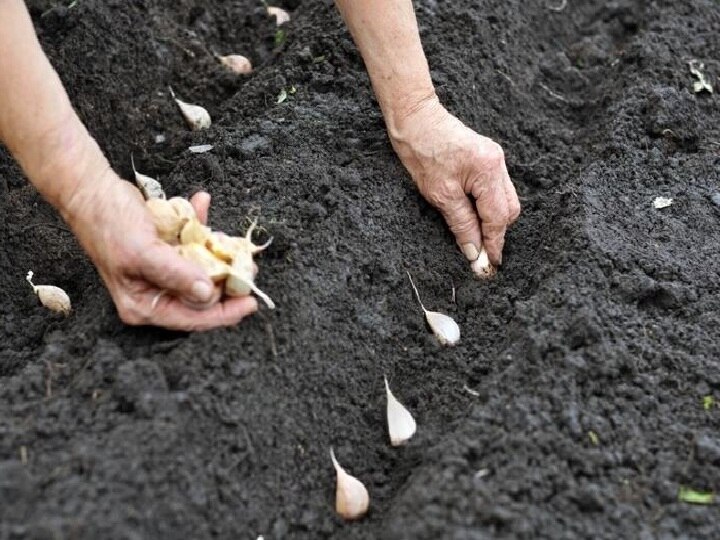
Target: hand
{"points": [[449, 162], [148, 281]]}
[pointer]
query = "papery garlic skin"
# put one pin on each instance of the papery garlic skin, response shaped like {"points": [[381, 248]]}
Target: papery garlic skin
{"points": [[401, 424], [351, 497]]}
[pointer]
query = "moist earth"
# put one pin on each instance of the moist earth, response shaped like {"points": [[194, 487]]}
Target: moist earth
{"points": [[580, 397]]}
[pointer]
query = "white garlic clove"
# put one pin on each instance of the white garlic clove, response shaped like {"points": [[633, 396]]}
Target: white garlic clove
{"points": [[196, 116], [351, 496], [53, 298], [281, 16], [401, 424], [150, 188], [482, 266], [238, 284], [183, 208], [444, 327], [236, 63]]}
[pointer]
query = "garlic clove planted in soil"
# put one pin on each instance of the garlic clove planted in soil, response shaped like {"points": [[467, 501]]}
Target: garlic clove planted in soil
{"points": [[281, 16], [236, 63], [351, 496], [482, 266], [446, 330], [401, 424], [53, 298], [444, 327], [196, 116], [150, 188]]}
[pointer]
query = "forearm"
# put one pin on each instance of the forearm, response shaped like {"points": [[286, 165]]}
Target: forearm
{"points": [[387, 35], [37, 121]]}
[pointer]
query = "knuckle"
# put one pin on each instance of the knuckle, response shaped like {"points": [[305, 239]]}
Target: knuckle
{"points": [[491, 154], [444, 193], [129, 312]]}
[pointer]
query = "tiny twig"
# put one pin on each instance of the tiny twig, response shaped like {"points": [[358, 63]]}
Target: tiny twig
{"points": [[453, 294], [559, 8], [471, 391], [506, 76], [271, 336], [553, 94]]}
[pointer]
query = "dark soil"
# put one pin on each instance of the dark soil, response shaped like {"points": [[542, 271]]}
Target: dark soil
{"points": [[573, 406]]}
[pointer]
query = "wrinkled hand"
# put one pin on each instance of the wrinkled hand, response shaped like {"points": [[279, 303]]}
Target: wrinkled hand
{"points": [[451, 164], [148, 281]]}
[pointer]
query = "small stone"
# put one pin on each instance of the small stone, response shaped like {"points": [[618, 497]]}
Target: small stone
{"points": [[715, 198]]}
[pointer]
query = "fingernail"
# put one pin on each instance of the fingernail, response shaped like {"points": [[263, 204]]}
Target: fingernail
{"points": [[201, 291], [470, 251]]}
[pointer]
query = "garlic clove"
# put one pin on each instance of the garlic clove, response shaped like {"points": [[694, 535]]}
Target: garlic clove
{"points": [[52, 297], [444, 327], [281, 16], [150, 188], [196, 116], [482, 266], [242, 283], [167, 222], [236, 63], [183, 208], [401, 424], [194, 232], [216, 269], [351, 496]]}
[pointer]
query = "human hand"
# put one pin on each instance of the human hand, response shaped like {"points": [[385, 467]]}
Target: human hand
{"points": [[148, 281], [449, 162]]}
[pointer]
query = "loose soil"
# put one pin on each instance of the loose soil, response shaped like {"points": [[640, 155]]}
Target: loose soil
{"points": [[573, 406]]}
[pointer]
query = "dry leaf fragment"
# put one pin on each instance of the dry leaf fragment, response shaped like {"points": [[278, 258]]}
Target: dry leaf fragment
{"points": [[52, 297], [150, 188], [196, 116], [351, 496], [443, 326], [662, 202], [281, 16], [401, 424], [701, 84], [200, 148]]}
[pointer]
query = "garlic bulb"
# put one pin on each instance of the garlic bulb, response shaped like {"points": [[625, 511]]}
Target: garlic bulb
{"points": [[53, 298], [236, 63], [443, 326], [196, 116], [401, 424], [351, 496], [150, 188], [281, 16]]}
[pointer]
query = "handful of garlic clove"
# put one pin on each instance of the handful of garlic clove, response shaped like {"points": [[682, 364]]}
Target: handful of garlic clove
{"points": [[227, 260]]}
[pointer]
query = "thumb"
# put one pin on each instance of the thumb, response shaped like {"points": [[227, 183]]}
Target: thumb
{"points": [[162, 266], [462, 218]]}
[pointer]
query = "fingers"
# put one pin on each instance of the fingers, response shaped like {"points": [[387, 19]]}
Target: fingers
{"points": [[457, 209], [161, 265], [497, 205], [171, 313], [201, 204]]}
